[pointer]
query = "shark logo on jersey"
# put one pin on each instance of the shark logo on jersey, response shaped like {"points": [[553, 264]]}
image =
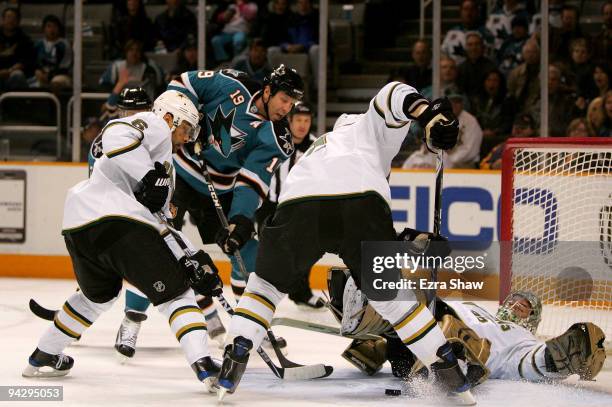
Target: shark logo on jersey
{"points": [[224, 136]]}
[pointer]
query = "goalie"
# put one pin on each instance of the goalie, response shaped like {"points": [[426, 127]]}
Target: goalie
{"points": [[503, 346]]}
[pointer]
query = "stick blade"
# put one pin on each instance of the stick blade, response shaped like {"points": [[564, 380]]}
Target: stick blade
{"points": [[40, 311], [317, 371]]}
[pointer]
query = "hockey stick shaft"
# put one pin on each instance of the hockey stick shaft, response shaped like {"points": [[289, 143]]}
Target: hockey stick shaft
{"points": [[437, 222]]}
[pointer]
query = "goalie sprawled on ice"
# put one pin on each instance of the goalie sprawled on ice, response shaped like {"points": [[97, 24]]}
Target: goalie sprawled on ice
{"points": [[501, 346]]}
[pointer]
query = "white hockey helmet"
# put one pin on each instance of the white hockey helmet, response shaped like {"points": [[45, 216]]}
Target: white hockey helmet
{"points": [[181, 108], [346, 120]]}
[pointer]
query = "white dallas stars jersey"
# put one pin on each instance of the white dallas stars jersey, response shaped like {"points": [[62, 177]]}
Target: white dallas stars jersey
{"points": [[131, 146], [356, 156], [509, 342]]}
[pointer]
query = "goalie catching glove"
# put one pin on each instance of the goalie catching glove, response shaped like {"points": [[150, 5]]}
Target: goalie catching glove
{"points": [[154, 188], [202, 274], [240, 231], [440, 125], [579, 351]]}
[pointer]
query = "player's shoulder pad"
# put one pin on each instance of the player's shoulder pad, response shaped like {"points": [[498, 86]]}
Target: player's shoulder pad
{"points": [[277, 133]]}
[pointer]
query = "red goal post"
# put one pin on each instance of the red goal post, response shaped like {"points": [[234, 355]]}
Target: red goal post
{"points": [[556, 227]]}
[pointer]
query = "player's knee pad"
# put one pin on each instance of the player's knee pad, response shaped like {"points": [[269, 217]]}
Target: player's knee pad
{"points": [[78, 313]]}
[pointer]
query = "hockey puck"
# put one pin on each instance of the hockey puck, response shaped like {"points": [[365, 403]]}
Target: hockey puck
{"points": [[393, 392]]}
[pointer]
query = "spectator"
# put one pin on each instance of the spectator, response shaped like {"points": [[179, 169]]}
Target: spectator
{"points": [[175, 24], [418, 74], [560, 104], [448, 77], [580, 67], [595, 116], [560, 38], [605, 130], [578, 128], [135, 71], [524, 81], [600, 84], [130, 22], [476, 65], [524, 126], [53, 57], [499, 22], [255, 63], [454, 41], [466, 153], [187, 58], [602, 42], [235, 22], [492, 109], [16, 52], [554, 17], [276, 25], [510, 54]]}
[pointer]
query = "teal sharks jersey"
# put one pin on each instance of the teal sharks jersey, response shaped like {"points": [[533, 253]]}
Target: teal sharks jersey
{"points": [[241, 149]]}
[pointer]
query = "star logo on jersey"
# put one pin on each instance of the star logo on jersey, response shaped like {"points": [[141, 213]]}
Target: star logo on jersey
{"points": [[96, 148], [224, 136]]}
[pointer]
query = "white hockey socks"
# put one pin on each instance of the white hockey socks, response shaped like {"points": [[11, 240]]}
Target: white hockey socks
{"points": [[417, 328], [255, 310], [188, 324], [76, 315]]}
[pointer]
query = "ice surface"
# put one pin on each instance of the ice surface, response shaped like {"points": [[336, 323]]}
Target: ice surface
{"points": [[159, 376]]}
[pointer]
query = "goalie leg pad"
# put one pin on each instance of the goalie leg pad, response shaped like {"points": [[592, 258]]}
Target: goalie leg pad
{"points": [[579, 351], [366, 355]]}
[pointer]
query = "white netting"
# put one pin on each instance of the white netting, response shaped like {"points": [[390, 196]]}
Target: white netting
{"points": [[562, 233]]}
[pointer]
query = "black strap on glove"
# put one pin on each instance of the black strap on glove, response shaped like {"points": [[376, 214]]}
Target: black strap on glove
{"points": [[432, 245], [440, 124], [154, 188], [202, 274], [240, 231]]}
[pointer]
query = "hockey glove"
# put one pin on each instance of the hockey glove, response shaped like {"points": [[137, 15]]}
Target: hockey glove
{"points": [[202, 274], [154, 188], [240, 231], [430, 244], [440, 125]]}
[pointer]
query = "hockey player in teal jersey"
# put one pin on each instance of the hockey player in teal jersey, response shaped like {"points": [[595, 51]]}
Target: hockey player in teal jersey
{"points": [[244, 139]]}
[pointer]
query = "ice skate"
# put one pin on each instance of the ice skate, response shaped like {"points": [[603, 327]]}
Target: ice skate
{"points": [[280, 341], [42, 364], [125, 344], [449, 377], [309, 302], [234, 363], [206, 370]]}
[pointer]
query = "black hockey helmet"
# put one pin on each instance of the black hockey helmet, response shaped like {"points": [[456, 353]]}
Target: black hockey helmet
{"points": [[286, 79], [134, 98], [301, 108]]}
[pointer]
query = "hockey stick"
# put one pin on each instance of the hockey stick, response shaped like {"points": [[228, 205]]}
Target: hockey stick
{"points": [[42, 312], [315, 327], [437, 223], [288, 370]]}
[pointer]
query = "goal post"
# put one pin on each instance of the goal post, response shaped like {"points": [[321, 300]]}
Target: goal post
{"points": [[556, 228]]}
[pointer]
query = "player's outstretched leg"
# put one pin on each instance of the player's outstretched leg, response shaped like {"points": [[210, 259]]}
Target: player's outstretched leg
{"points": [[419, 331], [249, 325], [136, 304], [76, 315], [188, 324], [214, 325]]}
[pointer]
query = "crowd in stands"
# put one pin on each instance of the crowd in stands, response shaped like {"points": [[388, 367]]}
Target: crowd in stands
{"points": [[490, 70], [490, 66]]}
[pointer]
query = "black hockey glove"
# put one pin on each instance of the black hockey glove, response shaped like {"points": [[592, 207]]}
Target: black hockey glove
{"points": [[202, 274], [438, 245], [240, 231], [440, 125], [154, 188]]}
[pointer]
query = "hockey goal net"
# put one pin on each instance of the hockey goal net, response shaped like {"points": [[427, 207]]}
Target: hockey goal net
{"points": [[556, 229]]}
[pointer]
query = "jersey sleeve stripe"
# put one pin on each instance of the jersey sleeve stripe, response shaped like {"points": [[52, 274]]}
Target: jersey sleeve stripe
{"points": [[381, 113], [251, 179], [125, 149]]}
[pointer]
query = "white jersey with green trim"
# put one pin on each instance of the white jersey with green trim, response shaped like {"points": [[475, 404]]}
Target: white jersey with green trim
{"points": [[356, 156], [509, 342], [131, 146]]}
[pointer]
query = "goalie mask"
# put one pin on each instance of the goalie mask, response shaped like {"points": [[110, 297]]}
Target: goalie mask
{"points": [[514, 310]]}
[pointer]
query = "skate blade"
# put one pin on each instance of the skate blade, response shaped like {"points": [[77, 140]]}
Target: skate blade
{"points": [[221, 393], [465, 398], [210, 384], [33, 371], [121, 358]]}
